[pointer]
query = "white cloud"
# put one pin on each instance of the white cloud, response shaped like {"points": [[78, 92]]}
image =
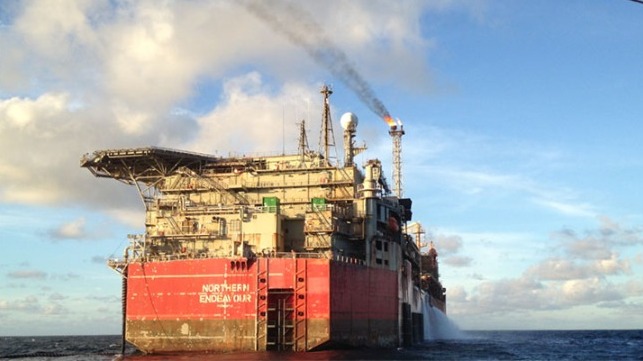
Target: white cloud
{"points": [[133, 217], [41, 141], [448, 244], [145, 66], [558, 269], [71, 230], [585, 274], [54, 309], [247, 119], [588, 291], [45, 43], [52, 29], [566, 208], [457, 261], [28, 274], [598, 243], [27, 304], [524, 294], [21, 113], [32, 305], [125, 66], [573, 269], [613, 265], [615, 234], [457, 294]]}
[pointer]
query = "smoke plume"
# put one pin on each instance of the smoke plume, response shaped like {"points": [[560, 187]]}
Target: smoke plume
{"points": [[301, 29]]}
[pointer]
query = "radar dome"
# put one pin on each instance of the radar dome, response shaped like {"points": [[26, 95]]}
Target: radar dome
{"points": [[348, 121]]}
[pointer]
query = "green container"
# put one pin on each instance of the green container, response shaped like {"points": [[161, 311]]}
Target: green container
{"points": [[318, 203], [271, 204]]}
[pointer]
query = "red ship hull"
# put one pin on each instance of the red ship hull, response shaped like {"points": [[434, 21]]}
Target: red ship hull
{"points": [[224, 304]]}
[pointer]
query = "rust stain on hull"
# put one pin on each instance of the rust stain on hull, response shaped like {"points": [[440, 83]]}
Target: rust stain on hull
{"points": [[153, 336]]}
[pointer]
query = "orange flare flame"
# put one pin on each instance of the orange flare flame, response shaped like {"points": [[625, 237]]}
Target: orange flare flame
{"points": [[389, 120]]}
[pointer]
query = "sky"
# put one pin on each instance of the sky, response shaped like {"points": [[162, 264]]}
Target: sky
{"points": [[522, 150]]}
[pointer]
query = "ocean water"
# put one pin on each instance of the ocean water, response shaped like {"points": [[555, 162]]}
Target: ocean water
{"points": [[478, 345]]}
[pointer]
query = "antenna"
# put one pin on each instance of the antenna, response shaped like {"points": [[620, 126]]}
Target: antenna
{"points": [[303, 143], [327, 137], [283, 130]]}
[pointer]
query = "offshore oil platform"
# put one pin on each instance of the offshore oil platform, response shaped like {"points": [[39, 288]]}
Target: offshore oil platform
{"points": [[287, 252]]}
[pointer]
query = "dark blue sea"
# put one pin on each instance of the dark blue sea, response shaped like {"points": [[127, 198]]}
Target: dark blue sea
{"points": [[474, 345]]}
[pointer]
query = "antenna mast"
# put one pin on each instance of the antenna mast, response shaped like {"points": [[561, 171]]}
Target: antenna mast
{"points": [[303, 143], [327, 137], [396, 132]]}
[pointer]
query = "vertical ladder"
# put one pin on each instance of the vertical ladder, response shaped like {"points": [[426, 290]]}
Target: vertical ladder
{"points": [[300, 266], [261, 329]]}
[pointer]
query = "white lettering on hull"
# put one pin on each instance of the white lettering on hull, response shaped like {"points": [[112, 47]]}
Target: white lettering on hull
{"points": [[225, 287], [225, 293]]}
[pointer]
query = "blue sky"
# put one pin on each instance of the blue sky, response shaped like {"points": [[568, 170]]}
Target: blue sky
{"points": [[522, 149]]}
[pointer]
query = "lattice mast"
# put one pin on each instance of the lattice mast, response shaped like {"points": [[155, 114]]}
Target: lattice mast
{"points": [[397, 131], [303, 149], [327, 137]]}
